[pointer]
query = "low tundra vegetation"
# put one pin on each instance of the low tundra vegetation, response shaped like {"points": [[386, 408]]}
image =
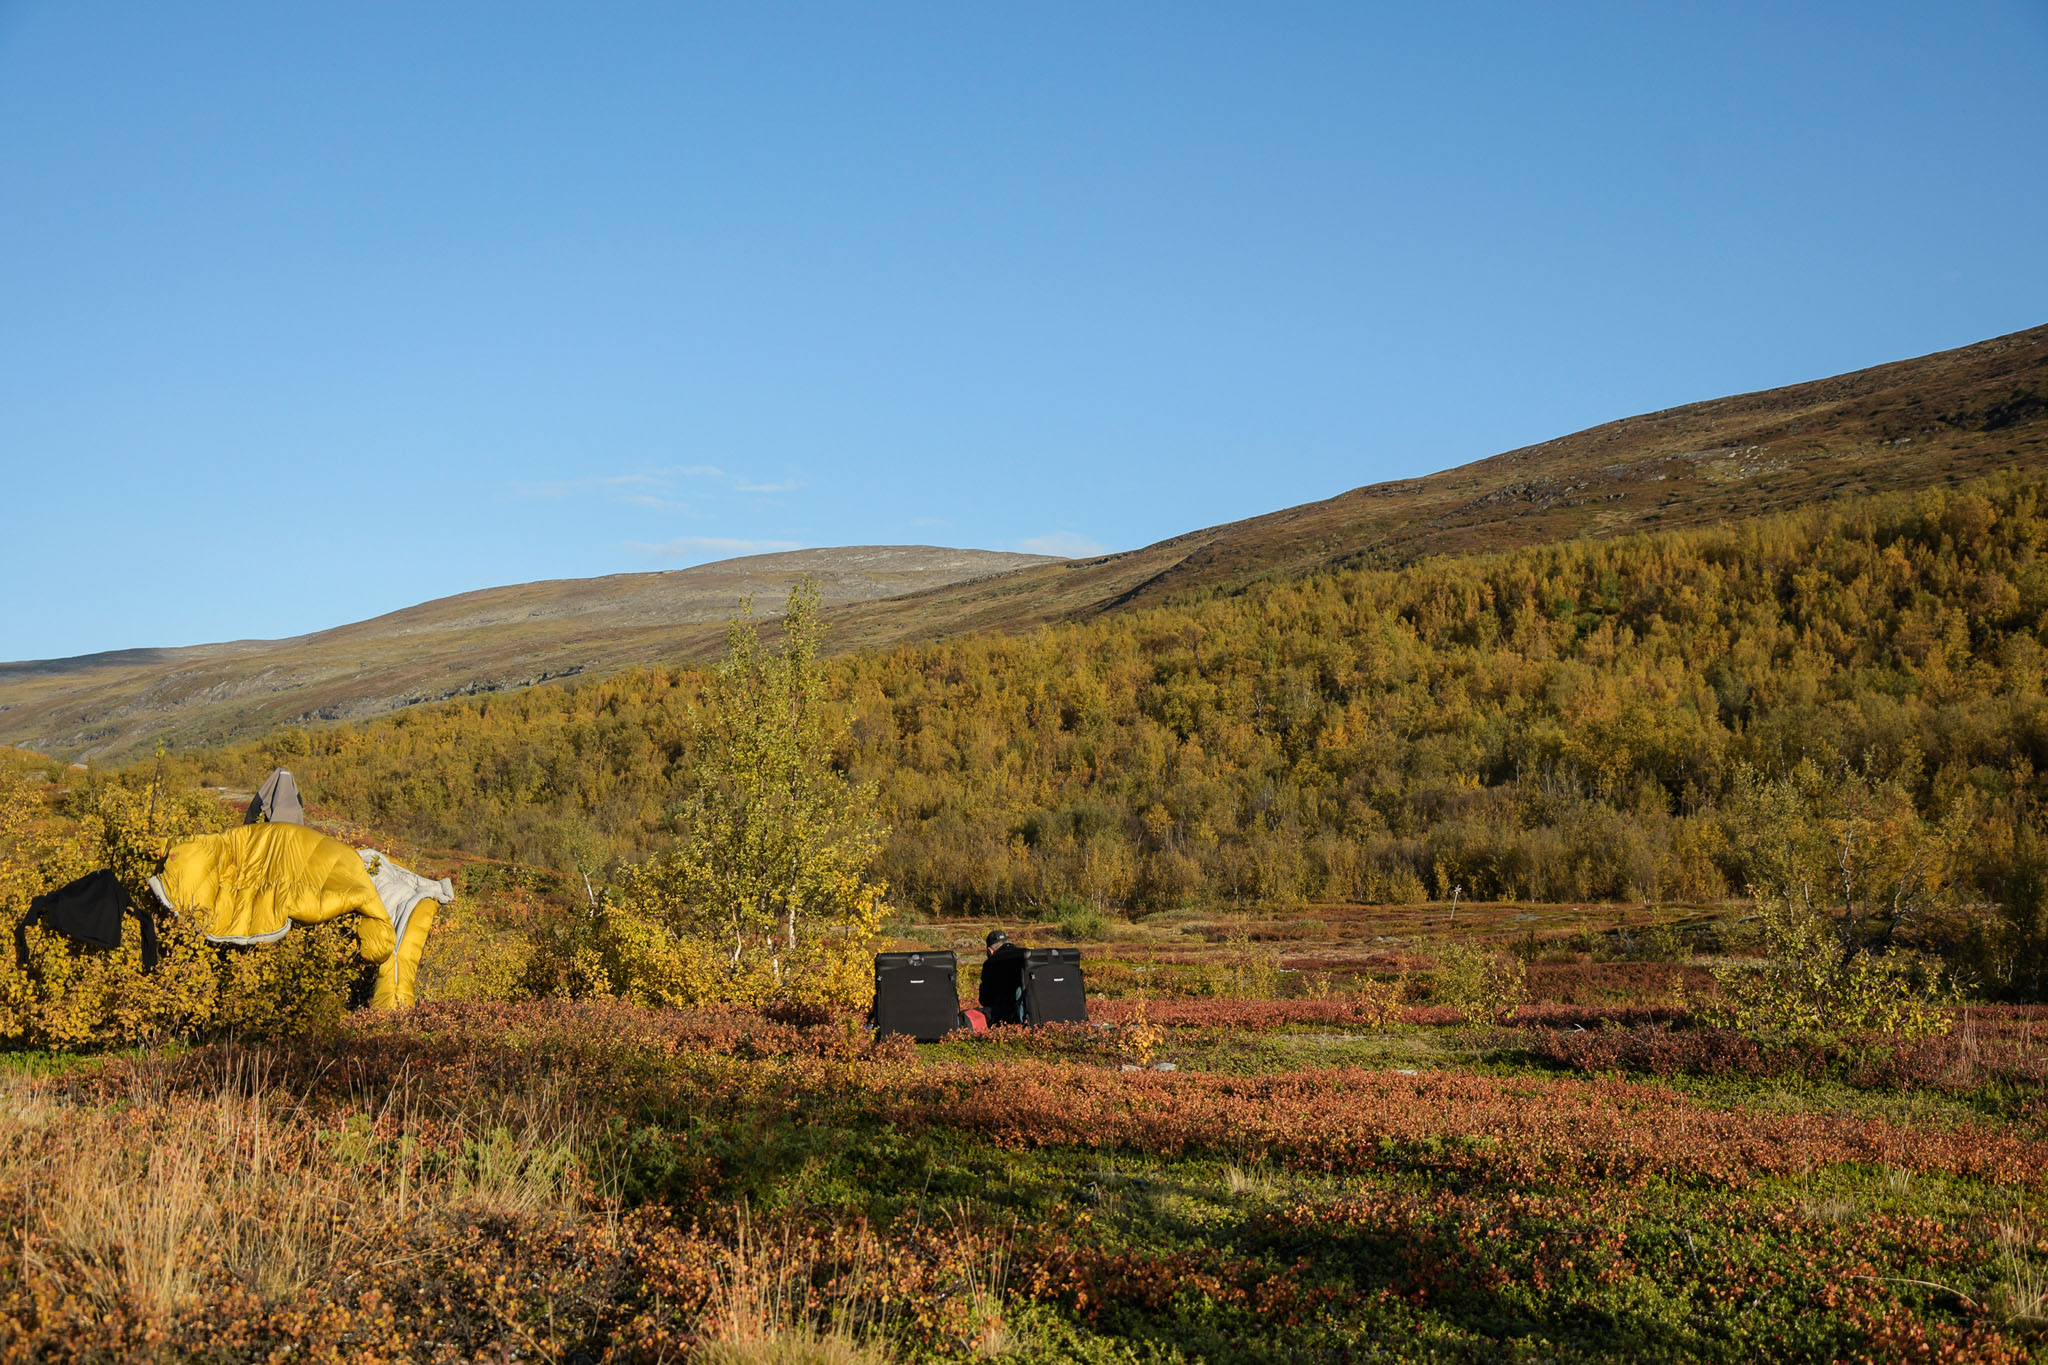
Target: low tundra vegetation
{"points": [[602, 1181], [1445, 1143]]}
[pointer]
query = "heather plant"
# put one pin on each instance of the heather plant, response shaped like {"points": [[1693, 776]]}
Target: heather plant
{"points": [[767, 895]]}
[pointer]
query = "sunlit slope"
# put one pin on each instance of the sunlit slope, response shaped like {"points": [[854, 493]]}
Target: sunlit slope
{"points": [[1939, 419], [105, 705]]}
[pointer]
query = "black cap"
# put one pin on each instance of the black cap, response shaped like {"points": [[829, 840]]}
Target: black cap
{"points": [[996, 936]]}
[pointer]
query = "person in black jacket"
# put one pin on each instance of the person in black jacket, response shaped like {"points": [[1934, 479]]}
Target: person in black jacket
{"points": [[1002, 976]]}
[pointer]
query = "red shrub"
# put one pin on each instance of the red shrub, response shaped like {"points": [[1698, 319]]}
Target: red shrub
{"points": [[1966, 1059]]}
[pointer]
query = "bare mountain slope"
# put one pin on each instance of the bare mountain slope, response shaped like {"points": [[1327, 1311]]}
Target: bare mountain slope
{"points": [[1941, 418], [107, 704]]}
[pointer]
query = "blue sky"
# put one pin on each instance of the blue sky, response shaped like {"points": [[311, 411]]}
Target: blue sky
{"points": [[309, 313]]}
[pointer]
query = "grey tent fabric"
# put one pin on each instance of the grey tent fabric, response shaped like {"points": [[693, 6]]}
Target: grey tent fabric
{"points": [[277, 801]]}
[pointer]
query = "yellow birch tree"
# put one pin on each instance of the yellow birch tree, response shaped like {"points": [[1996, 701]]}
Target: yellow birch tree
{"points": [[767, 896]]}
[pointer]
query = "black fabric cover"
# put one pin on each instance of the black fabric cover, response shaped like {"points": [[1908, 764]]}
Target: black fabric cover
{"points": [[1054, 992], [362, 990], [87, 911], [917, 994], [1002, 979]]}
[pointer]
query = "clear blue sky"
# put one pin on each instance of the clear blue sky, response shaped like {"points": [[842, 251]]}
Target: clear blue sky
{"points": [[311, 312]]}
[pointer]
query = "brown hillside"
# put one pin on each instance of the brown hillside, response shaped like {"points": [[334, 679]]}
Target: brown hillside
{"points": [[104, 705], [1942, 418]]}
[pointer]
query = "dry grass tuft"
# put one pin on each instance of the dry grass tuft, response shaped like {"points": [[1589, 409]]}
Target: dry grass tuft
{"points": [[131, 1208], [1249, 1182], [2020, 1298], [793, 1346], [764, 1307]]}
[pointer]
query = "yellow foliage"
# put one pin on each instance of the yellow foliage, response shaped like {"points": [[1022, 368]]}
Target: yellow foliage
{"points": [[1377, 1003], [1809, 983], [1139, 1036], [1561, 723]]}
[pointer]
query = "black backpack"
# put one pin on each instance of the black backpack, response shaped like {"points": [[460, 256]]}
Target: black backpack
{"points": [[1054, 991], [917, 994], [88, 911]]}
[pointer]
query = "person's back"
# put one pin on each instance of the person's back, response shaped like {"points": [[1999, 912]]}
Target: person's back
{"points": [[1002, 976]]}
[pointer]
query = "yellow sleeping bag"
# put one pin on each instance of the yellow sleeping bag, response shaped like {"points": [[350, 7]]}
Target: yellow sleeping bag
{"points": [[395, 977], [252, 884]]}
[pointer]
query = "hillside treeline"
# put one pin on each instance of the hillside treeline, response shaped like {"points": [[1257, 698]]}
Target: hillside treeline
{"points": [[1584, 721]]}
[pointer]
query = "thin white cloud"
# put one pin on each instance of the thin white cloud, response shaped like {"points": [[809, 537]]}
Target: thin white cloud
{"points": [[655, 488], [929, 521], [554, 489], [1065, 544], [686, 493], [689, 547]]}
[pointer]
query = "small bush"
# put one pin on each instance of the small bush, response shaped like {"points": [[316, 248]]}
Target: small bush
{"points": [[1247, 970], [1378, 1003], [1660, 943], [1139, 1037], [1080, 920], [1486, 986], [768, 895], [1810, 985], [475, 956]]}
